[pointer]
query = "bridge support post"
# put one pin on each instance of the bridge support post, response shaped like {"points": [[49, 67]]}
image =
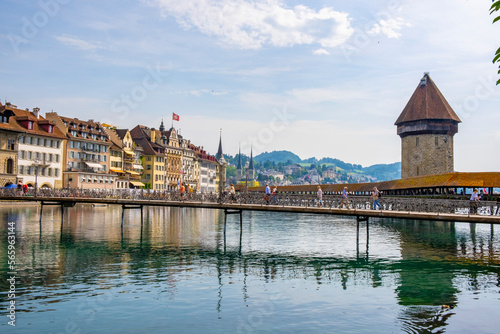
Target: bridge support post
{"points": [[230, 212]]}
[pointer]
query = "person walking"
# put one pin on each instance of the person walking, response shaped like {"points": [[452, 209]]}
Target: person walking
{"points": [[474, 199], [319, 201], [275, 195], [232, 192], [375, 196], [267, 194], [345, 199]]}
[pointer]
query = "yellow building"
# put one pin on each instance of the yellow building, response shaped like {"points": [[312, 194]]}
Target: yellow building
{"points": [[153, 160]]}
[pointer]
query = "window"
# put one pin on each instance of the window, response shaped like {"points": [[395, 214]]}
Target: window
{"points": [[30, 125], [417, 141], [11, 144], [28, 140], [56, 172], [22, 154], [57, 157], [50, 157], [30, 155], [10, 166], [49, 172], [71, 154], [73, 133], [418, 171], [21, 140], [28, 170], [21, 169], [49, 143], [4, 119], [37, 156], [436, 140], [35, 141]]}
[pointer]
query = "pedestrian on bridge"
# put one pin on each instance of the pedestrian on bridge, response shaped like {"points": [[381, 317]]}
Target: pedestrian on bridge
{"points": [[319, 201], [375, 196], [267, 195], [474, 199], [275, 195], [345, 199]]}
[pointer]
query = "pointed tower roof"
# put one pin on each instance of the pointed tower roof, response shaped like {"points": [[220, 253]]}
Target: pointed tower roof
{"points": [[219, 151], [162, 126], [239, 159], [427, 102], [251, 159]]}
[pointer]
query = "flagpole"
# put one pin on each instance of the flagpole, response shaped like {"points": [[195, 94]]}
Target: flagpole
{"points": [[172, 120]]}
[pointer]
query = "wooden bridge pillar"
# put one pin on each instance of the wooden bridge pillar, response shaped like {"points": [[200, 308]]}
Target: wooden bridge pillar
{"points": [[126, 207]]}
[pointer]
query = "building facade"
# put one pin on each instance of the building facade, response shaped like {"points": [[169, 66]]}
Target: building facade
{"points": [[87, 153], [10, 131]]}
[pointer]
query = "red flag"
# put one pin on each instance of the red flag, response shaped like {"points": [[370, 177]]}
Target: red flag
{"points": [[175, 117]]}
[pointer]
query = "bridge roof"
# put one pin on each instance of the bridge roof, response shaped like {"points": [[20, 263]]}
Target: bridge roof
{"points": [[448, 180]]}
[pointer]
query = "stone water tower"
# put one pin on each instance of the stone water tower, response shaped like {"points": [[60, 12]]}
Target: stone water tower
{"points": [[426, 127]]}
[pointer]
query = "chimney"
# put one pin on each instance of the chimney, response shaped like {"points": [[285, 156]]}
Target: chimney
{"points": [[36, 112]]}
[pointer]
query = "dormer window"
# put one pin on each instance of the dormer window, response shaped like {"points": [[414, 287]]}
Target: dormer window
{"points": [[4, 119], [29, 125], [73, 133], [50, 128]]}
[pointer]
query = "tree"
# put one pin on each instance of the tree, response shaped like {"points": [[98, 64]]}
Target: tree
{"points": [[495, 7]]}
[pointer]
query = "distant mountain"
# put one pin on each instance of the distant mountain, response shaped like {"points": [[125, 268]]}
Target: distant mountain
{"points": [[381, 172], [277, 156], [384, 172]]}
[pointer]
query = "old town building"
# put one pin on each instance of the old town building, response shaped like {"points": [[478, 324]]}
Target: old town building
{"points": [[153, 161], [10, 131], [87, 153]]}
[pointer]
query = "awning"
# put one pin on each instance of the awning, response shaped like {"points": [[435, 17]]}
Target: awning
{"points": [[92, 165], [132, 172], [128, 152], [138, 167], [116, 170], [137, 183]]}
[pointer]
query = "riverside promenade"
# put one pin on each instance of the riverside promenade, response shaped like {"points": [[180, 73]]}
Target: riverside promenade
{"points": [[360, 206]]}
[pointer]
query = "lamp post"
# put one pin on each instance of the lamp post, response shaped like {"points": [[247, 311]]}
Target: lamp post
{"points": [[36, 164]]}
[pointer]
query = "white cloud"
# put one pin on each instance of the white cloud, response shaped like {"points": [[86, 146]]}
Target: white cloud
{"points": [[78, 43], [390, 27], [321, 52], [253, 24]]}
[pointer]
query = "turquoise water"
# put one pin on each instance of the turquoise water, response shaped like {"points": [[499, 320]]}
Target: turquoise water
{"points": [[284, 273]]}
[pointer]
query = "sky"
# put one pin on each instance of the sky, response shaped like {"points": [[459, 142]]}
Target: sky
{"points": [[318, 78]]}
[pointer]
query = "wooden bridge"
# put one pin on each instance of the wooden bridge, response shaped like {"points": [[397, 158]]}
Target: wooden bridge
{"points": [[359, 214]]}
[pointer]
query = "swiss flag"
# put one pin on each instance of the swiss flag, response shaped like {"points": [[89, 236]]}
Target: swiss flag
{"points": [[175, 117]]}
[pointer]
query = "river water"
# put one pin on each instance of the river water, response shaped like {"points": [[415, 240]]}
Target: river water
{"points": [[281, 273]]}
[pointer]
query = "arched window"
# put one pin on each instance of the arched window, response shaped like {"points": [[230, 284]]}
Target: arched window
{"points": [[10, 166]]}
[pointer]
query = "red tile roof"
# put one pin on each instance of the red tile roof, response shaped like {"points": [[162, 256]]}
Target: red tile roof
{"points": [[427, 102]]}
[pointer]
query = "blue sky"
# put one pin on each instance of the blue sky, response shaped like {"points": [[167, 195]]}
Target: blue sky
{"points": [[319, 78]]}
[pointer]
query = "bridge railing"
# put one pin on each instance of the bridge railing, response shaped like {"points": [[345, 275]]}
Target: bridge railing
{"points": [[411, 204]]}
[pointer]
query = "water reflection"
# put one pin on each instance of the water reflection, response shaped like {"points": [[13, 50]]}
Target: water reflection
{"points": [[419, 271]]}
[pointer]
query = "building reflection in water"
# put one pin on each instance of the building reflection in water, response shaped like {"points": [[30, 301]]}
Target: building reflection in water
{"points": [[422, 260]]}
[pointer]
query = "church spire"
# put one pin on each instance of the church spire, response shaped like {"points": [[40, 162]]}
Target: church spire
{"points": [[251, 159], [239, 167], [162, 126], [219, 151]]}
